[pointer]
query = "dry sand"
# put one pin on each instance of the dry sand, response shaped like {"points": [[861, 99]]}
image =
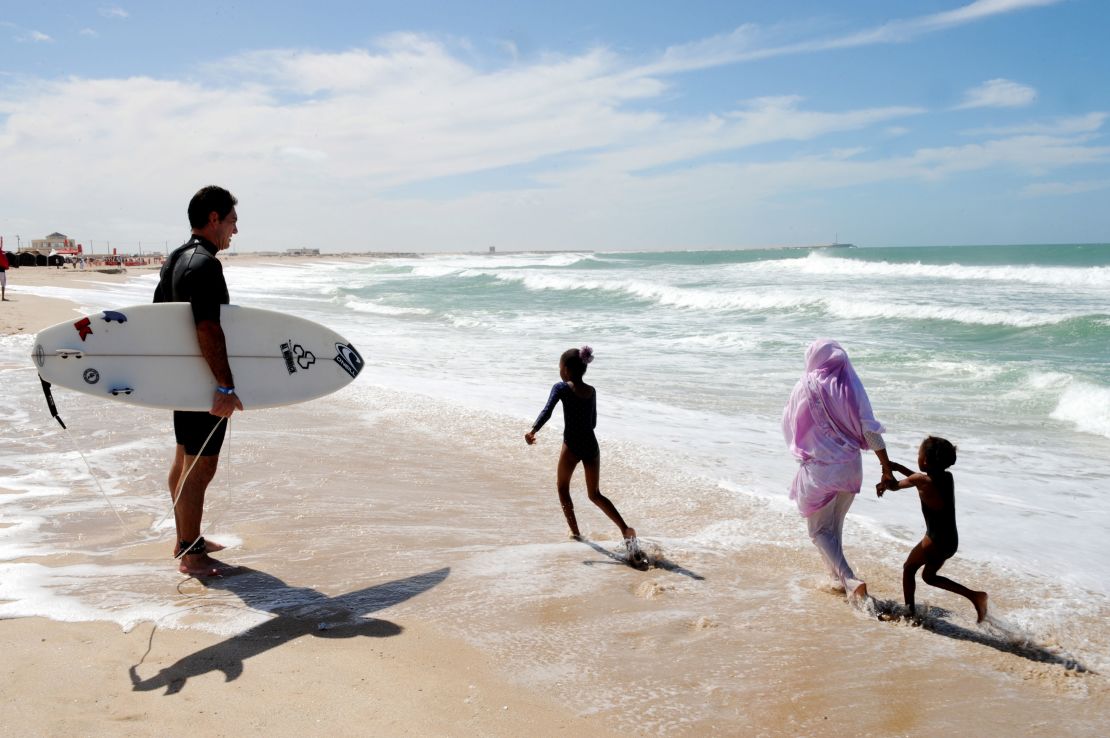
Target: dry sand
{"points": [[401, 546]]}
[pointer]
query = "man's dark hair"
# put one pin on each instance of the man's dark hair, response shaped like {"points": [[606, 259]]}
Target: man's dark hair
{"points": [[210, 199]]}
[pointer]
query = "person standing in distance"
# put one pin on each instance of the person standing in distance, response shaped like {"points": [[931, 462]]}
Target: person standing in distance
{"points": [[193, 274], [3, 273]]}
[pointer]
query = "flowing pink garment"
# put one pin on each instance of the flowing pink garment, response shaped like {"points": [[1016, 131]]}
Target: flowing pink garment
{"points": [[824, 424]]}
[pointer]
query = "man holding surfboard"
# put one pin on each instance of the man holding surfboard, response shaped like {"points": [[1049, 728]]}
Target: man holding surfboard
{"points": [[193, 274]]}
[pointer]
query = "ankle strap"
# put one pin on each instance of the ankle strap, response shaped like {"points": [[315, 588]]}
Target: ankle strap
{"points": [[196, 548]]}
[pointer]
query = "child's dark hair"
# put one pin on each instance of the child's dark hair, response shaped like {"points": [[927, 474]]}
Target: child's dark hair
{"points": [[575, 360], [939, 453]]}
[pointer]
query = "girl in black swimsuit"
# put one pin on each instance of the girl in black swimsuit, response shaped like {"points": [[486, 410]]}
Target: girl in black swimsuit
{"points": [[936, 489], [579, 443]]}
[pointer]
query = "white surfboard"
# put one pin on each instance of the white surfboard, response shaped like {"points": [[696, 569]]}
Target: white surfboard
{"points": [[149, 355]]}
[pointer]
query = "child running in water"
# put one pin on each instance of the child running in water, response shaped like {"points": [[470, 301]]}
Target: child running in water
{"points": [[580, 445], [936, 489]]}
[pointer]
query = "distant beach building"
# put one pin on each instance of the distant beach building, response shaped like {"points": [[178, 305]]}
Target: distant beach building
{"points": [[302, 252], [55, 241], [52, 250], [493, 249]]}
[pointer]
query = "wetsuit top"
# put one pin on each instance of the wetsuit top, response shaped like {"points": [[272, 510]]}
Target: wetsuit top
{"points": [[579, 420], [193, 274], [940, 525]]}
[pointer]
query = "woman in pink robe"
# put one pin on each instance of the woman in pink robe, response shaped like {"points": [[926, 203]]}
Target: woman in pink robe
{"points": [[826, 423]]}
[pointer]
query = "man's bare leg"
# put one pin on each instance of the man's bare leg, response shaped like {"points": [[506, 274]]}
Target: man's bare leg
{"points": [[189, 508]]}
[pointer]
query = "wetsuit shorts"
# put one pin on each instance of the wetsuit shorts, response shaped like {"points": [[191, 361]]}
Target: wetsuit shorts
{"points": [[191, 428]]}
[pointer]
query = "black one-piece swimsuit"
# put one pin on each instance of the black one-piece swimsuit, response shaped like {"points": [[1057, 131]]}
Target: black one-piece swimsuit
{"points": [[579, 420]]}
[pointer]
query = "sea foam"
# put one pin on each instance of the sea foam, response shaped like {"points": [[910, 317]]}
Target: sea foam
{"points": [[1087, 406]]}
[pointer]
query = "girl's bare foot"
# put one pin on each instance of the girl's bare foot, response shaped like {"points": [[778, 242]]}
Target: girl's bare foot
{"points": [[979, 599], [636, 555]]}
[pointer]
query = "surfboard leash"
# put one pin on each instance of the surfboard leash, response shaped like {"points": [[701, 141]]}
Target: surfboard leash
{"points": [[50, 402], [54, 411], [181, 485]]}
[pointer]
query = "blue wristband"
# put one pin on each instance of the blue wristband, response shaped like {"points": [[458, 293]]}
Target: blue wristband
{"points": [[226, 390]]}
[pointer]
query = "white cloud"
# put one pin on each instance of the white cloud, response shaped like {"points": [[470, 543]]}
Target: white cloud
{"points": [[580, 150], [298, 152], [113, 11], [750, 42], [1043, 189], [88, 32], [510, 48], [37, 37], [998, 93], [1088, 123]]}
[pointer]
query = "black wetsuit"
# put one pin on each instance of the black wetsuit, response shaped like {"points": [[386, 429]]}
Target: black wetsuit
{"points": [[193, 274], [579, 420], [940, 525]]}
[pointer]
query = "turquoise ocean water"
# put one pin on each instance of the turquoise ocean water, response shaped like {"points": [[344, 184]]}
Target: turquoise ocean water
{"points": [[1005, 350]]}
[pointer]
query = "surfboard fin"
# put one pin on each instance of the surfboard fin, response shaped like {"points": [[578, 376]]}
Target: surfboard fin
{"points": [[50, 401]]}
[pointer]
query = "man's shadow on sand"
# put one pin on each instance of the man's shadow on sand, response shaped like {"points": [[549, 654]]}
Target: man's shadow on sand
{"points": [[300, 611]]}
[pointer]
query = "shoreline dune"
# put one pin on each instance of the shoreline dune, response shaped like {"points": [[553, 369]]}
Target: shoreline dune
{"points": [[396, 583]]}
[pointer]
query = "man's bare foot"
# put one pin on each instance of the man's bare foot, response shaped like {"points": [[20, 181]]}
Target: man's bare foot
{"points": [[203, 565], [574, 536], [979, 599]]}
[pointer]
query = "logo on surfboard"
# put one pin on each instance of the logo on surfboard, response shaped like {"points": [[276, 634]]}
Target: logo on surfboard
{"points": [[84, 328], [40, 355], [295, 356], [110, 315], [348, 358], [91, 376]]}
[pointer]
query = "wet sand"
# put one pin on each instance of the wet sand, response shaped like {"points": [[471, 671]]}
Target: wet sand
{"points": [[406, 572]]}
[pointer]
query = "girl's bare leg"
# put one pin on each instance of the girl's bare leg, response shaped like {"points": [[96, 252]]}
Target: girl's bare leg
{"points": [[593, 476], [978, 599], [563, 473], [914, 561]]}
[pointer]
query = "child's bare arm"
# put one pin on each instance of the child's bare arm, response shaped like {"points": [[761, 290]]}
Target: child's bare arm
{"points": [[903, 470], [916, 479]]}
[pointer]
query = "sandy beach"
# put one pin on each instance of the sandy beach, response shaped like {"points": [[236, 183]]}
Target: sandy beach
{"points": [[406, 572]]}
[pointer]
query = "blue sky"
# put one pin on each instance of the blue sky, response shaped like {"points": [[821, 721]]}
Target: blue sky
{"points": [[429, 126]]}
